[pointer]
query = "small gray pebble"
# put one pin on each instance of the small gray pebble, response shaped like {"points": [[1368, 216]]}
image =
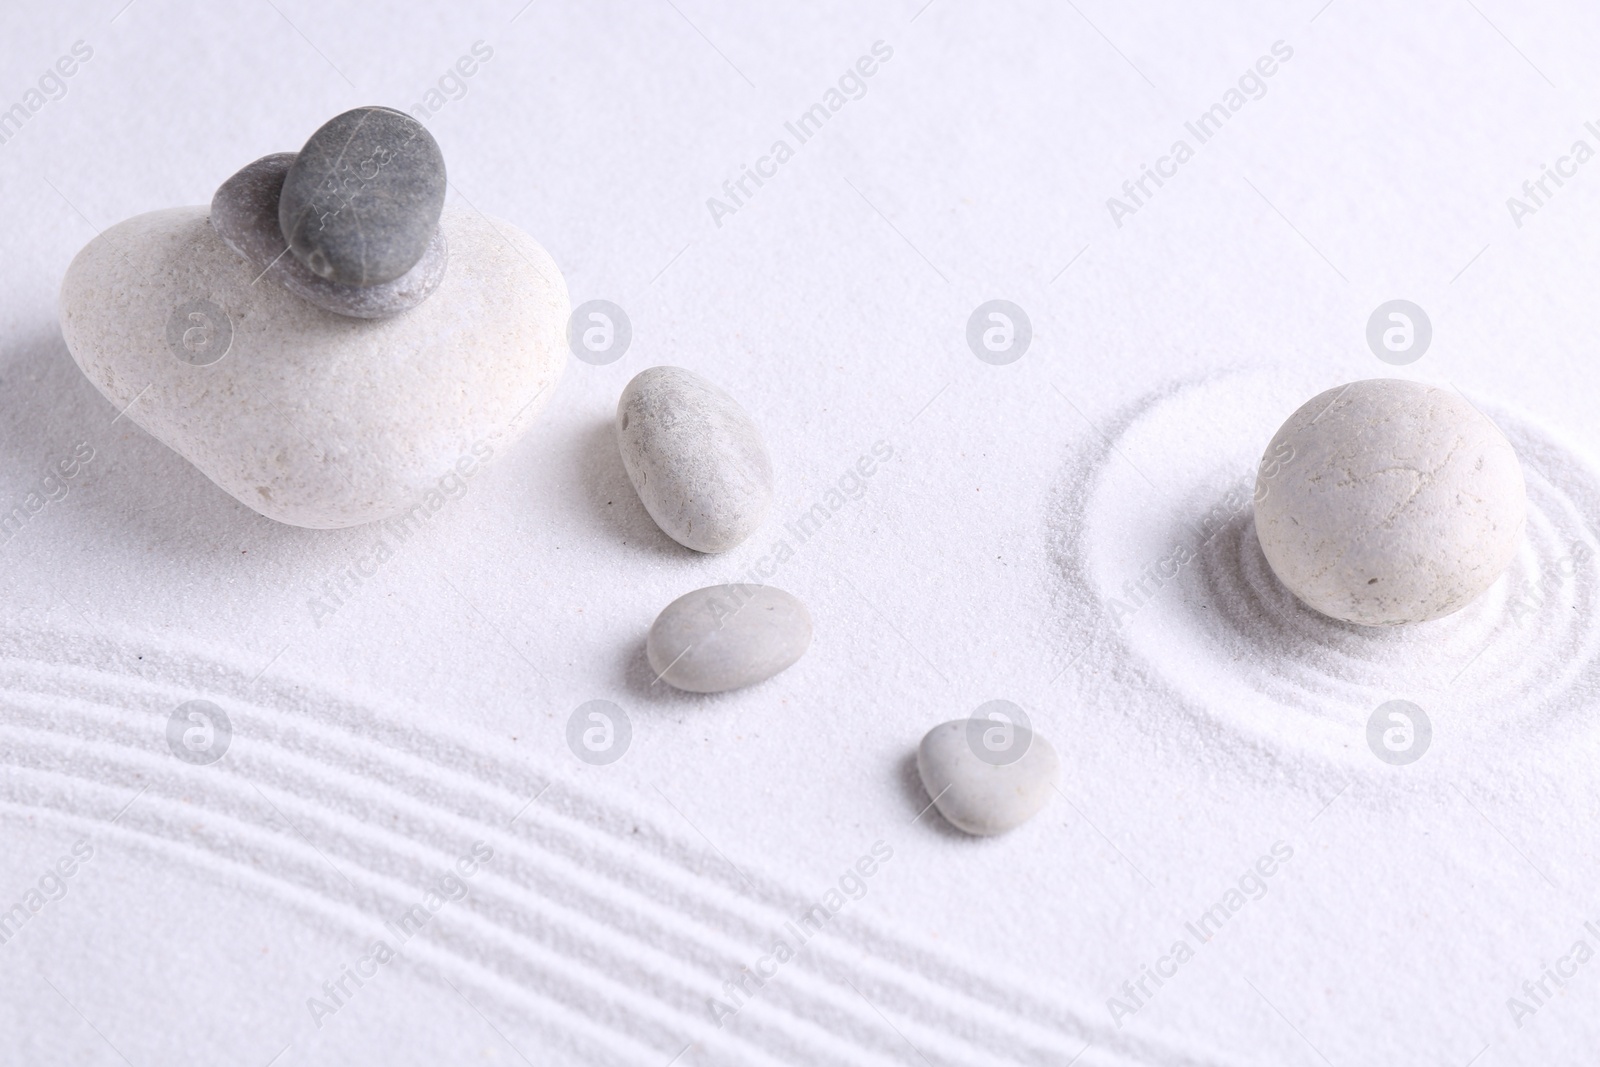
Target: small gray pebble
{"points": [[244, 212], [727, 636], [362, 200], [980, 797], [695, 457]]}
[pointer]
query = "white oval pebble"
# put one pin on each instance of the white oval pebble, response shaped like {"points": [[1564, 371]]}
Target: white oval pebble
{"points": [[695, 457], [976, 795], [1389, 501], [727, 636], [311, 418]]}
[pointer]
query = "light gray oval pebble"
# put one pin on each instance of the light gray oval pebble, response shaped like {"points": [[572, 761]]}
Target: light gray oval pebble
{"points": [[727, 636], [244, 212], [1389, 501], [695, 457], [363, 198], [980, 797]]}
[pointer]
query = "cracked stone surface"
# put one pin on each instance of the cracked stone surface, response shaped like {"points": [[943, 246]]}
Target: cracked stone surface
{"points": [[1388, 501]]}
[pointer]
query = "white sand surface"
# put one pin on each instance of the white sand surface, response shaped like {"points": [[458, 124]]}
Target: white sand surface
{"points": [[375, 745]]}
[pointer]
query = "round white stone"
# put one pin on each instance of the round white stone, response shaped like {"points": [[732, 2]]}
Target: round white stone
{"points": [[978, 796], [727, 636], [695, 457], [1389, 501], [312, 418]]}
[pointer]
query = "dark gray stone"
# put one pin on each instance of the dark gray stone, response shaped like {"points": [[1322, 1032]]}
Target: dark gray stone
{"points": [[244, 212], [361, 202]]}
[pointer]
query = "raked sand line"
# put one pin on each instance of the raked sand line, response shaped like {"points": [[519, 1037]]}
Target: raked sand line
{"points": [[1166, 580], [285, 790], [572, 966], [951, 980], [622, 825], [575, 977], [586, 1041]]}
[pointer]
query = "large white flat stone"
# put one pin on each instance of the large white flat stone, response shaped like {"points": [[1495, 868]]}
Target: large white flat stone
{"points": [[312, 418]]}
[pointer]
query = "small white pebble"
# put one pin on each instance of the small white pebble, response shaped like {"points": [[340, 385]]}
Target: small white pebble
{"points": [[727, 636], [980, 794]]}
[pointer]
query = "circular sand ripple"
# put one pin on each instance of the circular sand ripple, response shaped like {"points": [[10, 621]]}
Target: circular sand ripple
{"points": [[1168, 549]]}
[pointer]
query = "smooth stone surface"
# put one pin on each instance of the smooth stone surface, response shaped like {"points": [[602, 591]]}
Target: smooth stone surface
{"points": [[361, 201], [245, 214], [695, 457], [979, 797], [312, 418], [727, 636], [1389, 501]]}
